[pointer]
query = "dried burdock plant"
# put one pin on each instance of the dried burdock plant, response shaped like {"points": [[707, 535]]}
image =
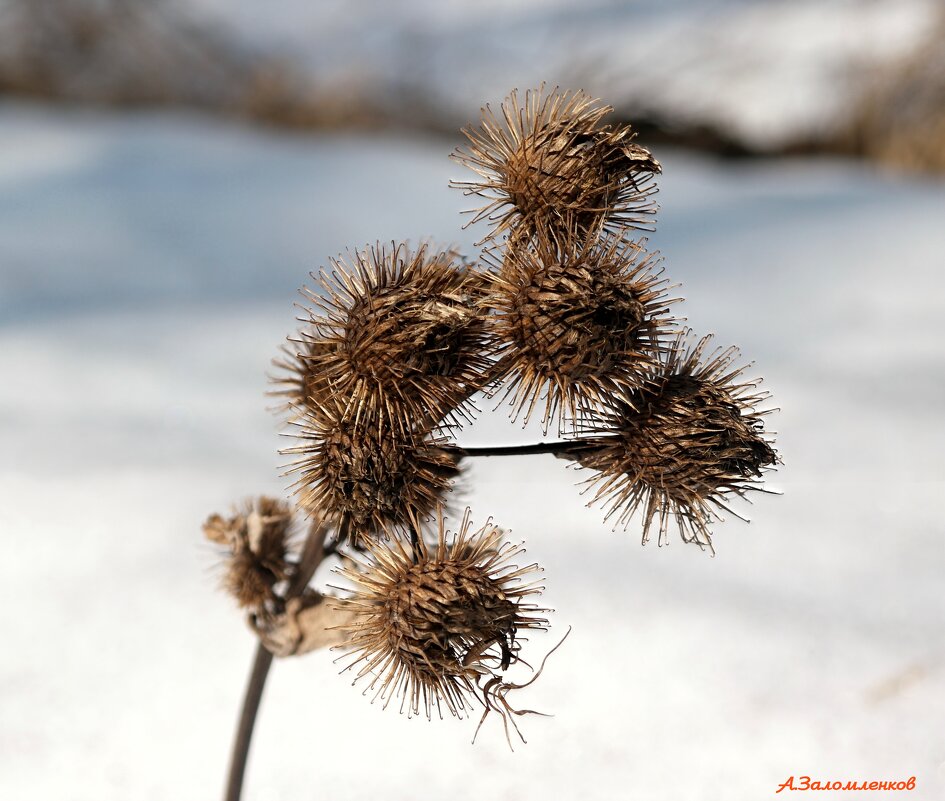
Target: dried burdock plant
{"points": [[570, 316], [365, 475], [394, 334], [682, 444], [575, 321], [257, 543], [437, 627], [551, 164]]}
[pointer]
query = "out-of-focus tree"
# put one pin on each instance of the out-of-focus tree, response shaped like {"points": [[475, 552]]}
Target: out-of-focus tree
{"points": [[148, 52], [902, 121]]}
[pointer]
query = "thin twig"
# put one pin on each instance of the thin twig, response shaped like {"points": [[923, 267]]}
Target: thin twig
{"points": [[564, 449], [313, 551], [312, 554], [244, 731]]}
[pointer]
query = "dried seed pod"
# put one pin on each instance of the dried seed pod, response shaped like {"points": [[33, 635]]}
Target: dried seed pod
{"points": [[248, 580], [680, 445], [396, 332], [258, 541], [436, 627], [365, 475], [577, 320], [551, 165]]}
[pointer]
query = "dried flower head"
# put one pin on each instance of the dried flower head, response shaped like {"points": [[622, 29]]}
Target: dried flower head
{"points": [[576, 320], [436, 627], [396, 332], [366, 476], [257, 538], [681, 444], [550, 164]]}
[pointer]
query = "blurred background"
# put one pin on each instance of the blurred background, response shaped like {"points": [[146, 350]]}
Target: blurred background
{"points": [[171, 171]]}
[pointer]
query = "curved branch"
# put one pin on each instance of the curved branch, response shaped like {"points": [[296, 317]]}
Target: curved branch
{"points": [[313, 552]]}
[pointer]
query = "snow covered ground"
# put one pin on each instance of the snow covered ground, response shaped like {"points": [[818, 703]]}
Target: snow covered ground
{"points": [[148, 266]]}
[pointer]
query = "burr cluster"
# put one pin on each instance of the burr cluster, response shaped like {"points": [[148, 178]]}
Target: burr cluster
{"points": [[566, 314]]}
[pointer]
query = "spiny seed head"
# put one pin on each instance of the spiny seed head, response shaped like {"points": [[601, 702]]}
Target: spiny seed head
{"points": [[248, 580], [394, 331], [365, 475], [577, 320], [681, 444], [257, 538], [432, 626], [550, 164]]}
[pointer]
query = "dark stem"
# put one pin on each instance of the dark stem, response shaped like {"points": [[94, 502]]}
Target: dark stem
{"points": [[415, 544], [244, 731], [563, 449], [312, 554]]}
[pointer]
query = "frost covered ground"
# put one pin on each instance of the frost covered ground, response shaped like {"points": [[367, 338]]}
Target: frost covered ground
{"points": [[147, 270]]}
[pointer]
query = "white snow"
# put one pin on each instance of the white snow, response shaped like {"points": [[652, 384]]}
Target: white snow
{"points": [[148, 268]]}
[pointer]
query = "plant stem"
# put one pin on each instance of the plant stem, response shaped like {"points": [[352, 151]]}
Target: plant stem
{"points": [[244, 731], [562, 449], [312, 554]]}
